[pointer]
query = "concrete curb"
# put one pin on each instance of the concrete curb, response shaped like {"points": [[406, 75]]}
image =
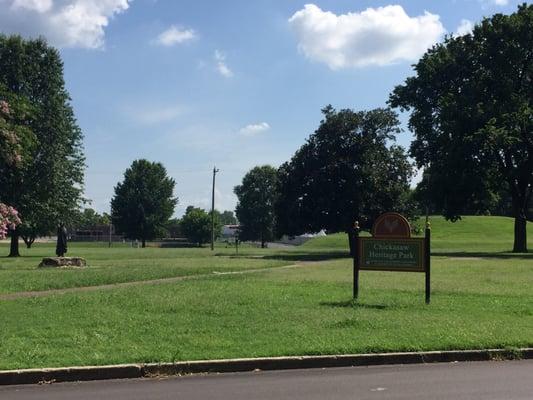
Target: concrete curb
{"points": [[128, 371]]}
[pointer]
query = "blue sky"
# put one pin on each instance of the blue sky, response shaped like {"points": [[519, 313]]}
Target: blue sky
{"points": [[233, 83]]}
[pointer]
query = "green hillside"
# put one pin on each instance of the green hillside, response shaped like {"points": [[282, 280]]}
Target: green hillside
{"points": [[470, 234]]}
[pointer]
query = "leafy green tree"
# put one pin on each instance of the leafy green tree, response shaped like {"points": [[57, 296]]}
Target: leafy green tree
{"points": [[255, 210], [144, 201], [472, 116], [173, 228], [48, 189], [227, 218], [346, 171], [89, 218], [196, 225]]}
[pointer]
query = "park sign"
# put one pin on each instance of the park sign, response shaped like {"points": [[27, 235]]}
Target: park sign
{"points": [[391, 248], [380, 254]]}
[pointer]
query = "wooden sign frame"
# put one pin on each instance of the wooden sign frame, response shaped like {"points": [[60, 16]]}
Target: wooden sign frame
{"points": [[393, 251]]}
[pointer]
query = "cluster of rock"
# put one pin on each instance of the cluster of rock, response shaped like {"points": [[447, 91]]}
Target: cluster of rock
{"points": [[59, 262]]}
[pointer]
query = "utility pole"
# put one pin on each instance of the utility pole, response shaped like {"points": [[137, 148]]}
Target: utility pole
{"points": [[215, 170]]}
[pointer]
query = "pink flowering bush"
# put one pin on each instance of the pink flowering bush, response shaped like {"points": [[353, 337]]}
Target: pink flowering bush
{"points": [[9, 142], [9, 219], [4, 107], [16, 139]]}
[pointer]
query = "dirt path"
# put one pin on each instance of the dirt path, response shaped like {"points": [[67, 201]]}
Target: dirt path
{"points": [[52, 292]]}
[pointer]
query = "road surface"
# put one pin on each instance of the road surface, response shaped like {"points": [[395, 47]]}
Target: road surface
{"points": [[498, 380]]}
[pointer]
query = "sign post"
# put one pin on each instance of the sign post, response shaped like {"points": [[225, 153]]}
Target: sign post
{"points": [[356, 260], [391, 248], [428, 261]]}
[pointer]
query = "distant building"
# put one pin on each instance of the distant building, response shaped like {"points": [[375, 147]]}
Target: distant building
{"points": [[300, 239], [230, 231]]}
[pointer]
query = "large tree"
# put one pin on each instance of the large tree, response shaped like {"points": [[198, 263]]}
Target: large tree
{"points": [[144, 201], [472, 116], [196, 225], [255, 210], [49, 187], [347, 170]]}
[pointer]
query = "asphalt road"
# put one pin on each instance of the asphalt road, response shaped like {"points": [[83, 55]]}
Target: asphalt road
{"points": [[503, 380]]}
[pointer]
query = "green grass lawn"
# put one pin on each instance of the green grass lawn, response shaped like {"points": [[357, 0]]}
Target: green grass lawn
{"points": [[119, 264], [482, 298]]}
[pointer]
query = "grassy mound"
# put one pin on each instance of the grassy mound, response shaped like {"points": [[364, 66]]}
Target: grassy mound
{"points": [[470, 234]]}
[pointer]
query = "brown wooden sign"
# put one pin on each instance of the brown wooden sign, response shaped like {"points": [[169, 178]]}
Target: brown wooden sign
{"points": [[391, 248], [391, 225]]}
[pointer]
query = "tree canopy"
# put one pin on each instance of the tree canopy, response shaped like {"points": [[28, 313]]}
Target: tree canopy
{"points": [[347, 170], [472, 116], [227, 217], [89, 218], [144, 201], [48, 188], [255, 210], [196, 225]]}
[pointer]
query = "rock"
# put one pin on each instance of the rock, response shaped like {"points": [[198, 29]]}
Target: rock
{"points": [[60, 262]]}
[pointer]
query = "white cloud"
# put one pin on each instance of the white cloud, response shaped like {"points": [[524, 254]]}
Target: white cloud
{"points": [[492, 3], [40, 6], [174, 35], [254, 129], [375, 36], [65, 23], [499, 2], [221, 65], [466, 26]]}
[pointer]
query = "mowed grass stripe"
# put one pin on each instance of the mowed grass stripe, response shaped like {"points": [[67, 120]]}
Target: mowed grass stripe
{"points": [[54, 292], [119, 265]]}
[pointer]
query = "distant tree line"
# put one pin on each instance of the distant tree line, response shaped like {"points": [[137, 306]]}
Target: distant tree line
{"points": [[470, 110]]}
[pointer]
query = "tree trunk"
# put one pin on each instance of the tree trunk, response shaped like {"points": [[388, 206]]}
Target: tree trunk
{"points": [[14, 248], [144, 243], [520, 234], [28, 240]]}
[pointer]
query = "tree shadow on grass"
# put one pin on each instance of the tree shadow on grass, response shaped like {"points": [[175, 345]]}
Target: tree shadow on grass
{"points": [[497, 255], [355, 304], [293, 257], [23, 256], [322, 256]]}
